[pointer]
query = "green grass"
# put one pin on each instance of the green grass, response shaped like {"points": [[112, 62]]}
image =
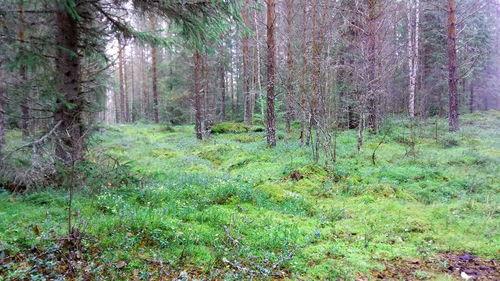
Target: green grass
{"points": [[230, 201]]}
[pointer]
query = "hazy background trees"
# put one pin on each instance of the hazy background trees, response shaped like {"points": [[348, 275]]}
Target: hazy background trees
{"points": [[322, 65]]}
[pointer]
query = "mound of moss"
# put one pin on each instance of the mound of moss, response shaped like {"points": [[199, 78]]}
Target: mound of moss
{"points": [[234, 128]]}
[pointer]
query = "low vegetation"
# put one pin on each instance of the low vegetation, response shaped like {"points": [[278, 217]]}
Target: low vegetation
{"points": [[231, 208]]}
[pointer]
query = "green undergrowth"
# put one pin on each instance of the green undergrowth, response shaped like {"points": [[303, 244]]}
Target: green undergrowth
{"points": [[232, 208]]}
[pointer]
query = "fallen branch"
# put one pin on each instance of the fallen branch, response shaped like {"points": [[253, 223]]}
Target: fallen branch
{"points": [[34, 143]]}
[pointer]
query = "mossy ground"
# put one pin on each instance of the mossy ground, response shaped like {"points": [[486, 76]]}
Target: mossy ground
{"points": [[228, 208]]}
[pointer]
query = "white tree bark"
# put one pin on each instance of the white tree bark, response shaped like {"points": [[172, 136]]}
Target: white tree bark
{"points": [[413, 51]]}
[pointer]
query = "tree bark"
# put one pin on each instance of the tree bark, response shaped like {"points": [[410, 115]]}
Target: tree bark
{"points": [[372, 63], [144, 85], [25, 111], [154, 66], [222, 77], [271, 63], [123, 112], [69, 108], [471, 98], [258, 65], [247, 106], [3, 103], [197, 97], [289, 65], [452, 66], [413, 52]]}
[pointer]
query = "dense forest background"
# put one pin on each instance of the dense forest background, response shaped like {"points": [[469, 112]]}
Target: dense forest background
{"points": [[333, 65], [249, 139]]}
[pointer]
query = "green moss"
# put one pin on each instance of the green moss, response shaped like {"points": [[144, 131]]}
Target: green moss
{"points": [[319, 223], [275, 191], [234, 128]]}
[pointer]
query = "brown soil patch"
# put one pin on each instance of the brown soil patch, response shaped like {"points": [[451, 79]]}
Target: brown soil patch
{"points": [[478, 269], [458, 265]]}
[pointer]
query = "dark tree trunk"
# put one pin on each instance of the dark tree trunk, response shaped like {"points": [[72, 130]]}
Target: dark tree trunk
{"points": [[271, 63], [123, 113], [116, 101], [144, 86], [452, 66], [289, 65], [25, 111], [3, 102], [69, 111], [126, 85], [154, 58], [222, 73], [372, 62], [197, 97], [247, 106], [471, 98]]}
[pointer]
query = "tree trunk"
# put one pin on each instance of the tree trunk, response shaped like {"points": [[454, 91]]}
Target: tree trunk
{"points": [[471, 98], [197, 96], [121, 73], [271, 62], [289, 65], [258, 65], [154, 66], [69, 108], [222, 73], [3, 103], [372, 63], [247, 106], [25, 111], [452, 66], [413, 53], [144, 85], [132, 82]]}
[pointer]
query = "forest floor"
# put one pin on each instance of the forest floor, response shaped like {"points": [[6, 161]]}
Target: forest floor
{"points": [[230, 208]]}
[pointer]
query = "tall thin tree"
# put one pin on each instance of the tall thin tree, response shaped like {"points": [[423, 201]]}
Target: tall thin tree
{"points": [[197, 96], [247, 107], [452, 66], [271, 64]]}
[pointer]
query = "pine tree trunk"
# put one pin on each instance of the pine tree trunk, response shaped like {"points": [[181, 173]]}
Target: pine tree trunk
{"points": [[413, 53], [471, 98], [271, 63], [123, 113], [126, 85], [69, 108], [116, 102], [154, 66], [289, 65], [3, 103], [132, 86], [372, 63], [452, 66], [197, 96], [222, 74], [247, 115], [258, 65], [144, 86], [25, 111]]}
